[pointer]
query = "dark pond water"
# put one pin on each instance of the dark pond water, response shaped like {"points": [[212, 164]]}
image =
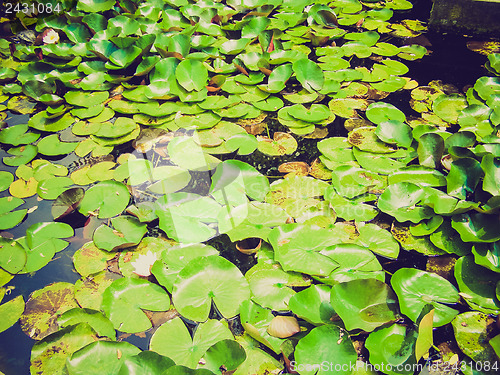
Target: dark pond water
{"points": [[450, 61]]}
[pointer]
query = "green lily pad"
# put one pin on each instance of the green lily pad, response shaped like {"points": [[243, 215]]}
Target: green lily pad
{"points": [[313, 305], [364, 303], [400, 200], [8, 217], [416, 288], [486, 255], [393, 349], [89, 290], [272, 288], [395, 132], [100, 357], [297, 248], [146, 363], [316, 113], [491, 168], [18, 135], [487, 86], [378, 240], [42, 121], [89, 259], [449, 107], [472, 334], [11, 311], [350, 181], [52, 188], [22, 155], [325, 344], [121, 127], [175, 259], [43, 308], [12, 255], [108, 198], [191, 74], [281, 144], [476, 227], [206, 279], [128, 231], [172, 339], [225, 354], [51, 145], [49, 354], [6, 178], [355, 262], [309, 74], [101, 325], [42, 241], [419, 175], [477, 285], [179, 147], [187, 218], [124, 300]]}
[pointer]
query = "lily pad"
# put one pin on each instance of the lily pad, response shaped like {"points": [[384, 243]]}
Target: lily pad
{"points": [[325, 344], [400, 200], [378, 240], [107, 198], [11, 311], [472, 333], [281, 144], [207, 279], [99, 357], [416, 288], [43, 308], [128, 231], [364, 303], [12, 255], [172, 339], [313, 305], [365, 139], [8, 217], [297, 248], [124, 300]]}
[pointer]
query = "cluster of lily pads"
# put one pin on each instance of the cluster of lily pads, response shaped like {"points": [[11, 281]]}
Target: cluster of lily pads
{"points": [[191, 89]]}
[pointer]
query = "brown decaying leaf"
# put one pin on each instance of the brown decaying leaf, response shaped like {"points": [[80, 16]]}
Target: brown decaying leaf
{"points": [[298, 168], [249, 246], [484, 47]]}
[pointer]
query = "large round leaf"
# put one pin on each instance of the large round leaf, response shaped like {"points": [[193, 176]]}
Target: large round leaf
{"points": [[448, 107], [329, 344], [49, 355], [378, 240], [355, 262], [172, 339], [124, 300], [477, 285], [145, 363], [246, 177], [313, 305], [297, 248], [101, 357], [44, 307], [207, 279], [392, 348], [11, 311], [364, 303], [12, 255], [416, 288], [309, 74], [8, 217], [224, 355], [400, 200], [128, 231], [107, 198], [477, 227], [380, 112]]}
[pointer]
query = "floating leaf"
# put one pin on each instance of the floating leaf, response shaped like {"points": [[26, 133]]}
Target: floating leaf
{"points": [[128, 231], [8, 217], [325, 343], [100, 357], [43, 307], [207, 279], [417, 288], [12, 255], [124, 300], [309, 74], [108, 198], [364, 303]]}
